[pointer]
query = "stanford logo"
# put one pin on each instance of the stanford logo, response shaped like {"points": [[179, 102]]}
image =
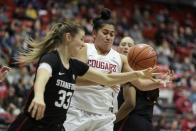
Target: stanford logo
{"points": [[102, 65]]}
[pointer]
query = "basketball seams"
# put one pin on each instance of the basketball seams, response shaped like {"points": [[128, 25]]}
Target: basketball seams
{"points": [[144, 67], [145, 54], [142, 57], [145, 59], [139, 54]]}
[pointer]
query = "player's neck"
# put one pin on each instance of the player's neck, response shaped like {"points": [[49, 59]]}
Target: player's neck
{"points": [[100, 51], [64, 55]]}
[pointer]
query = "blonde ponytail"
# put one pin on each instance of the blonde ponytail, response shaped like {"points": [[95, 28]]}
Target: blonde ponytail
{"points": [[52, 40]]}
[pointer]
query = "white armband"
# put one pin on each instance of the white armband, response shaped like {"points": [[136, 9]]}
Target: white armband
{"points": [[45, 66]]}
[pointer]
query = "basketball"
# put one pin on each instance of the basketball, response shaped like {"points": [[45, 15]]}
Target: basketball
{"points": [[142, 56]]}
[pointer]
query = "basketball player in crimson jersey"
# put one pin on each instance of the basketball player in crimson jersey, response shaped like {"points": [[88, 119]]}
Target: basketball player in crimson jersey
{"points": [[91, 108]]}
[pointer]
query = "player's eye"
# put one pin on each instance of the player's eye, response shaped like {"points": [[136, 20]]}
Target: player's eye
{"points": [[105, 33], [123, 44], [111, 34]]}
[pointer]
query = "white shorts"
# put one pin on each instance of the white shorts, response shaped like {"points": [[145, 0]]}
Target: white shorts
{"points": [[78, 120]]}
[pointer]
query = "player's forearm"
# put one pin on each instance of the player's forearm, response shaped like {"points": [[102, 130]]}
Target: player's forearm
{"points": [[39, 89], [124, 111], [120, 78], [111, 79], [83, 82], [147, 84], [42, 78]]}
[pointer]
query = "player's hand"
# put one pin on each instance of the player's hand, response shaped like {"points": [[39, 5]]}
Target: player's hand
{"points": [[166, 78], [37, 108], [116, 88], [148, 73]]}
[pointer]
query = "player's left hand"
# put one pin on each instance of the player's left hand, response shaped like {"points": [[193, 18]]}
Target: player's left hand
{"points": [[37, 108]]}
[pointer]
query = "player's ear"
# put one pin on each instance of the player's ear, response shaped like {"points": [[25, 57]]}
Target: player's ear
{"points": [[68, 37], [94, 33]]}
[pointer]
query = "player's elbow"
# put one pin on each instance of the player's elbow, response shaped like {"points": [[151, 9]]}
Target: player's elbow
{"points": [[130, 106]]}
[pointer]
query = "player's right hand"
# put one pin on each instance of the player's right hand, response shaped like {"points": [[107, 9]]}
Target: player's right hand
{"points": [[37, 108]]}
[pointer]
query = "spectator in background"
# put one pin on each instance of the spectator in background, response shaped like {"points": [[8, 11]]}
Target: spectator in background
{"points": [[30, 12], [161, 33], [3, 16], [137, 16], [161, 124], [136, 34], [174, 125], [160, 16], [183, 104], [18, 13], [179, 89], [188, 35], [188, 122], [24, 73], [21, 87], [187, 66], [193, 88], [36, 31], [163, 52], [35, 4], [193, 58], [182, 37], [156, 110], [67, 12], [10, 102], [3, 71]]}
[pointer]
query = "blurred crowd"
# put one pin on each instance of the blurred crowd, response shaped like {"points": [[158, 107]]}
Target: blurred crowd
{"points": [[169, 29]]}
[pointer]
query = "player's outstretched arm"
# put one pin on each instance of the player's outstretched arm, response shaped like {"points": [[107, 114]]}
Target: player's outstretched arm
{"points": [[118, 78], [80, 81], [37, 106], [145, 84]]}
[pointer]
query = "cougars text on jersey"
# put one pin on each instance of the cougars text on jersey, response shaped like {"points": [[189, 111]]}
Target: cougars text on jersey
{"points": [[102, 65]]}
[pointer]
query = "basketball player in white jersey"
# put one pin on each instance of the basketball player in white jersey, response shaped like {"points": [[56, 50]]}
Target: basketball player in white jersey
{"points": [[91, 106]]}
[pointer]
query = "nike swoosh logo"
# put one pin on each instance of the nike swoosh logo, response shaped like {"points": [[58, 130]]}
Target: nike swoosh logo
{"points": [[61, 73]]}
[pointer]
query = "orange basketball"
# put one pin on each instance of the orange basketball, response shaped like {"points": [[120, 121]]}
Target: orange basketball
{"points": [[142, 56]]}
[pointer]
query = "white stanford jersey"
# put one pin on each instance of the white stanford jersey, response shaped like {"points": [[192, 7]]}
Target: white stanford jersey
{"points": [[97, 99]]}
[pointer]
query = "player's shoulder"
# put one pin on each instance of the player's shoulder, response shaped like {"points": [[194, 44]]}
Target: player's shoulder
{"points": [[52, 54], [74, 61], [51, 57]]}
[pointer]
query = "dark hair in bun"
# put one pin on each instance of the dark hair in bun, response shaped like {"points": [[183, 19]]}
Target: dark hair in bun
{"points": [[105, 14], [103, 18]]}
